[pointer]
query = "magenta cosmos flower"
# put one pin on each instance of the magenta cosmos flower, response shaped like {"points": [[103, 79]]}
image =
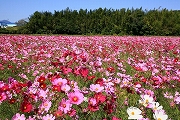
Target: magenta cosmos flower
{"points": [[76, 97]]}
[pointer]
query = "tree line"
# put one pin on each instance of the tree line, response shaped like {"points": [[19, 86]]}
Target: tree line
{"points": [[103, 21]]}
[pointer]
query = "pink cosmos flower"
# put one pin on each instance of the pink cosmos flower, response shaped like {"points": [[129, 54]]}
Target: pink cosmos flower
{"points": [[23, 76], [31, 118], [117, 80], [48, 117], [109, 89], [115, 118], [76, 97], [35, 73], [92, 101], [2, 97], [143, 66], [66, 70], [59, 82], [43, 93], [76, 71], [45, 106], [177, 99], [17, 116], [65, 106], [74, 86], [98, 63], [96, 88], [72, 112], [149, 92], [65, 88]]}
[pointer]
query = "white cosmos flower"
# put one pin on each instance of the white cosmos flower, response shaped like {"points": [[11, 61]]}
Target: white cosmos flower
{"points": [[160, 115], [156, 106], [146, 100], [134, 113]]}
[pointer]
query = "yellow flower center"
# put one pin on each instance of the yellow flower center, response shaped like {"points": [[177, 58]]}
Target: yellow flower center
{"points": [[45, 104], [159, 119], [59, 83], [96, 89], [75, 99], [132, 113]]}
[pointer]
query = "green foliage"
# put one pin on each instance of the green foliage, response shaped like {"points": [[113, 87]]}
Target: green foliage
{"points": [[102, 21]]}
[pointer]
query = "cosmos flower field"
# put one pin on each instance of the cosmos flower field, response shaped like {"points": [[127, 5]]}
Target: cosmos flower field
{"points": [[89, 77]]}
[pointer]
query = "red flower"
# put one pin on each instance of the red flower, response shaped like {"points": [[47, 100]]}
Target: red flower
{"points": [[93, 108], [66, 70], [84, 72], [100, 97], [22, 84], [129, 90], [55, 64], [143, 80], [10, 66], [58, 113], [90, 77], [76, 71], [99, 81], [42, 85], [137, 68], [110, 69], [56, 88], [175, 52], [41, 79], [12, 101], [5, 88], [72, 112], [55, 76], [26, 106], [83, 58], [109, 107], [176, 59]]}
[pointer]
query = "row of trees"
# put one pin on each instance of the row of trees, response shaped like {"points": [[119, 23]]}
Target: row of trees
{"points": [[104, 21]]}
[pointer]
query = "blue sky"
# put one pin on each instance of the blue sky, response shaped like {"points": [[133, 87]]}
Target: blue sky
{"points": [[14, 10]]}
